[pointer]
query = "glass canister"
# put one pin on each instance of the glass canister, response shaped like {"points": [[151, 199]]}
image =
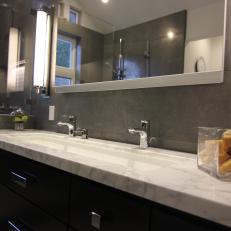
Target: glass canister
{"points": [[214, 151]]}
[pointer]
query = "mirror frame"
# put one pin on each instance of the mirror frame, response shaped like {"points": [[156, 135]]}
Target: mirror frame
{"points": [[208, 77]]}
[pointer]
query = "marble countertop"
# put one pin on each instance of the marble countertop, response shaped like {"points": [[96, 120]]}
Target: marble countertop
{"points": [[166, 177]]}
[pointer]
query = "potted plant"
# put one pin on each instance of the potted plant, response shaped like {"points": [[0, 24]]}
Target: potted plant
{"points": [[19, 119]]}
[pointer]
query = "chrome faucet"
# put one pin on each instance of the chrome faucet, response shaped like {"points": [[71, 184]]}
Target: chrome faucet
{"points": [[70, 127], [144, 132], [73, 129]]}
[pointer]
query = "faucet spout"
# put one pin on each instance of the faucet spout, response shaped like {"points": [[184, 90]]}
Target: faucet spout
{"points": [[73, 129], [143, 137], [144, 133], [70, 127]]}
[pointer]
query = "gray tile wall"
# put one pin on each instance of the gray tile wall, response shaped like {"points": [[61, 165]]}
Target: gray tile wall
{"points": [[4, 31], [92, 45], [166, 55], [175, 112]]}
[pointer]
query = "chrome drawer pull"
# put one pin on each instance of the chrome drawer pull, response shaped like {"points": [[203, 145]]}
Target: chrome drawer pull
{"points": [[18, 179], [17, 225], [96, 220], [12, 227]]}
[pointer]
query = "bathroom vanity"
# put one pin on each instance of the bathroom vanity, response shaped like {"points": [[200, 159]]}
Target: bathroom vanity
{"points": [[111, 72], [85, 185]]}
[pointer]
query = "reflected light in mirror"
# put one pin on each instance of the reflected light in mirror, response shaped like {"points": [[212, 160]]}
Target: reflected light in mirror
{"points": [[170, 35], [105, 1], [13, 73], [41, 72]]}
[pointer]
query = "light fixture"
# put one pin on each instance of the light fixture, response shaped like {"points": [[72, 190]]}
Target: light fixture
{"points": [[105, 1], [170, 34], [42, 51], [14, 75]]}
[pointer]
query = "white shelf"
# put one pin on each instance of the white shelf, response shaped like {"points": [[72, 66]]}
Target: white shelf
{"points": [[212, 77]]}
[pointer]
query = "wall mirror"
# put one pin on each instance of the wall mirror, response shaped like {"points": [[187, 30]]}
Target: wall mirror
{"points": [[105, 46], [18, 33], [12, 45]]}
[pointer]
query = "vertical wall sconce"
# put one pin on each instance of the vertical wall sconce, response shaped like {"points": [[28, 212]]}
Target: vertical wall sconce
{"points": [[42, 52], [13, 81]]}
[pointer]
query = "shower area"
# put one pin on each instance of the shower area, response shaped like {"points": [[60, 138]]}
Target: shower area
{"points": [[153, 48], [137, 51]]}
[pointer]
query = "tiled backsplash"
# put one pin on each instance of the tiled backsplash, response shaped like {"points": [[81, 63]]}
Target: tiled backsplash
{"points": [[175, 112]]}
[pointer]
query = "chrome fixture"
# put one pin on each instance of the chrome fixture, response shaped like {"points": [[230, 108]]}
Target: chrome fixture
{"points": [[144, 132], [70, 127], [73, 129], [42, 53], [147, 56], [119, 73]]}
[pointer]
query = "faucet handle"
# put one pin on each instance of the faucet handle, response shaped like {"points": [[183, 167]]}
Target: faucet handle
{"points": [[72, 118], [145, 124], [145, 121], [85, 133]]}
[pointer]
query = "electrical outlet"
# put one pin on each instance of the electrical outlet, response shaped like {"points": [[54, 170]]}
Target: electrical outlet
{"points": [[51, 113]]}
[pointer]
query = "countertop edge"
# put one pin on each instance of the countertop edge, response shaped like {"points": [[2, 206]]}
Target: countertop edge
{"points": [[175, 199]]}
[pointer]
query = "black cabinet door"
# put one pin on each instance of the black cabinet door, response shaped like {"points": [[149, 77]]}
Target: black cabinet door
{"points": [[18, 214], [45, 186], [96, 207], [164, 218], [3, 166]]}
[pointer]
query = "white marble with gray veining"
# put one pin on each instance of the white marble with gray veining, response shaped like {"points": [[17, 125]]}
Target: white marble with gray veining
{"points": [[166, 177]]}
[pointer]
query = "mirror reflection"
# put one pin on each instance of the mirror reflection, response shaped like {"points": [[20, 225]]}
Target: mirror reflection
{"points": [[24, 45], [100, 41], [12, 46]]}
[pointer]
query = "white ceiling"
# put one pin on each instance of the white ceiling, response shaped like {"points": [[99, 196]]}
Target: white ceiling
{"points": [[125, 13]]}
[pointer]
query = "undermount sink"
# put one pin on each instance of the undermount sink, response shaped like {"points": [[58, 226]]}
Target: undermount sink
{"points": [[94, 148]]}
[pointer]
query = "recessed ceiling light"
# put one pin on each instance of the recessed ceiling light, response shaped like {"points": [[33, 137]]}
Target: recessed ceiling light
{"points": [[105, 1], [170, 35]]}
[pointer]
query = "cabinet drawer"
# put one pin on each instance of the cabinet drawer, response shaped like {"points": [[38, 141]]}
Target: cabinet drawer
{"points": [[164, 218], [45, 186], [18, 214], [96, 207]]}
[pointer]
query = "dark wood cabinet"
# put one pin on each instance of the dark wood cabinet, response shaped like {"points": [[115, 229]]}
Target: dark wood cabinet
{"points": [[95, 207], [18, 214], [164, 218], [4, 166], [45, 186], [37, 197]]}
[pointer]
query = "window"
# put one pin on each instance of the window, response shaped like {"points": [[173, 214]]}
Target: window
{"points": [[74, 16], [64, 53], [65, 60], [62, 81]]}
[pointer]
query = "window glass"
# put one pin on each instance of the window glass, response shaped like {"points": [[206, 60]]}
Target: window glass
{"points": [[74, 16], [62, 81], [66, 62], [64, 53]]}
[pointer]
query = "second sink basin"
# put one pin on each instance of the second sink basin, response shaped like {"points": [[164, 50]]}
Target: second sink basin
{"points": [[100, 150]]}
